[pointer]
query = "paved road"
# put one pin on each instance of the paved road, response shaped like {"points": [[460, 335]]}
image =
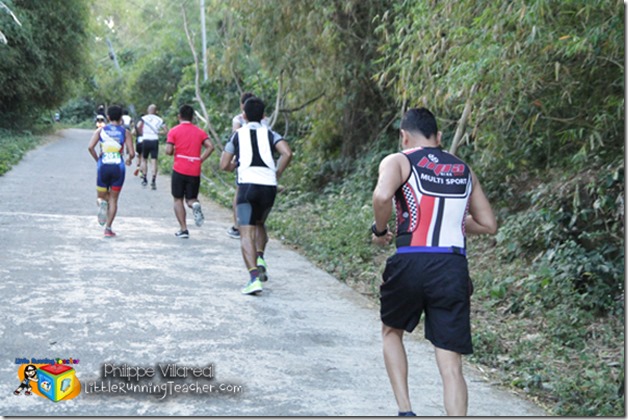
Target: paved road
{"points": [[308, 346]]}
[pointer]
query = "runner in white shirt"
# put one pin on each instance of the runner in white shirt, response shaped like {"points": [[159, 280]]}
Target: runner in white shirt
{"points": [[237, 122], [150, 126]]}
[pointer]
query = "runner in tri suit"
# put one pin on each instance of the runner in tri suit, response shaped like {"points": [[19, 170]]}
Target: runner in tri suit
{"points": [[438, 200], [253, 146], [110, 174]]}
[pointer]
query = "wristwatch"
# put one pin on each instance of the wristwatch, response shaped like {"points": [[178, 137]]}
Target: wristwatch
{"points": [[376, 233]]}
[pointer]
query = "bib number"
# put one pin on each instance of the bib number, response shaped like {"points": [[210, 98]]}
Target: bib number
{"points": [[111, 158]]}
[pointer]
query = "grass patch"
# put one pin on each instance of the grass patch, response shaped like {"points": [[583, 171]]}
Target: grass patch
{"points": [[14, 145]]}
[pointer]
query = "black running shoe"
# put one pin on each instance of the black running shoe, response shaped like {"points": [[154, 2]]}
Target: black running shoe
{"points": [[184, 234], [233, 232]]}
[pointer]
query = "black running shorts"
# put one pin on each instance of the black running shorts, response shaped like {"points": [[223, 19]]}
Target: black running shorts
{"points": [[437, 284], [150, 147], [185, 186], [254, 203], [138, 147]]}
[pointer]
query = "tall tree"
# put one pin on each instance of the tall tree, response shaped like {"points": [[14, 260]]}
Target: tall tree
{"points": [[45, 56]]}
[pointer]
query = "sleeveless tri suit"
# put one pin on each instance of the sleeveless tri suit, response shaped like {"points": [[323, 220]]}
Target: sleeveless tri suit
{"points": [[429, 272], [111, 169]]}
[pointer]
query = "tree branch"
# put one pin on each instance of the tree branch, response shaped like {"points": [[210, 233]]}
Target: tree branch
{"points": [[463, 121], [298, 108], [197, 86], [273, 118]]}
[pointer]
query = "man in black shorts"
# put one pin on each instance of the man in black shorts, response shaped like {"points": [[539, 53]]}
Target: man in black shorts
{"points": [[438, 200], [138, 147], [185, 142], [253, 146], [150, 126]]}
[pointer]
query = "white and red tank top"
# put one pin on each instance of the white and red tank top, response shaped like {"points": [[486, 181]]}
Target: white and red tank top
{"points": [[432, 204]]}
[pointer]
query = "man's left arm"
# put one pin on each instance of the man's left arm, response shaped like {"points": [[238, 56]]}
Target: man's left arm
{"points": [[92, 144], [227, 161], [169, 149]]}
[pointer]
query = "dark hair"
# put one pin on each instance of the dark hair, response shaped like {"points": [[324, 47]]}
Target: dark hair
{"points": [[420, 120], [114, 112], [30, 368], [245, 96], [186, 112], [254, 109]]}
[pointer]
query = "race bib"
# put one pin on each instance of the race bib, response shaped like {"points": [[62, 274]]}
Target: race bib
{"points": [[111, 158]]}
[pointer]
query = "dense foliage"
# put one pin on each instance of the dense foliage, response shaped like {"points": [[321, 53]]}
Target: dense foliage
{"points": [[543, 84], [42, 58]]}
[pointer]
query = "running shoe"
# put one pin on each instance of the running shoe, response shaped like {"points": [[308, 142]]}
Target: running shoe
{"points": [[406, 414], [103, 207], [198, 214], [109, 233], [263, 269], [137, 171], [153, 185], [144, 182], [233, 232], [253, 287], [184, 234]]}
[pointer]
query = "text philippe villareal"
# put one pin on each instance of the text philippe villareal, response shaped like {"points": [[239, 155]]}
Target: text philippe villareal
{"points": [[162, 381]]}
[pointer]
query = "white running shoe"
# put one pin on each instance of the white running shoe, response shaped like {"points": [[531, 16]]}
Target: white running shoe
{"points": [[198, 214], [103, 207]]}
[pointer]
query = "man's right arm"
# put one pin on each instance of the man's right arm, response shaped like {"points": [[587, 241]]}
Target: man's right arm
{"points": [[389, 180], [480, 219], [285, 156]]}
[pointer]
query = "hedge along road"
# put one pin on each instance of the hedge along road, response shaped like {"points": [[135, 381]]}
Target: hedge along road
{"points": [[307, 346]]}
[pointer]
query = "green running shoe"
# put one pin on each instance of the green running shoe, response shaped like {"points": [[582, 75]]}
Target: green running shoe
{"points": [[262, 268], [253, 287]]}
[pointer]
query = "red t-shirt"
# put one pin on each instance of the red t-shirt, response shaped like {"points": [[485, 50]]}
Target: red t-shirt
{"points": [[188, 141]]}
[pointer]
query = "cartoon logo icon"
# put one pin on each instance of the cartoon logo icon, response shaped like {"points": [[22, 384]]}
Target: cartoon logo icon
{"points": [[30, 375], [54, 381]]}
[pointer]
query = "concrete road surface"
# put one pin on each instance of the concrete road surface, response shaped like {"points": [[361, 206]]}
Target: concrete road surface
{"points": [[307, 346]]}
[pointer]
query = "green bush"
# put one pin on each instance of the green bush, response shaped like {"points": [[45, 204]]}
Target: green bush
{"points": [[13, 146]]}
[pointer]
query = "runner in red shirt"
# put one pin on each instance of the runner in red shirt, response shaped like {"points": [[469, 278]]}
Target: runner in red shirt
{"points": [[185, 142]]}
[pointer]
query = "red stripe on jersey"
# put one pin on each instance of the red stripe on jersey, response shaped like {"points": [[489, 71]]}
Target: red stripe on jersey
{"points": [[426, 212]]}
